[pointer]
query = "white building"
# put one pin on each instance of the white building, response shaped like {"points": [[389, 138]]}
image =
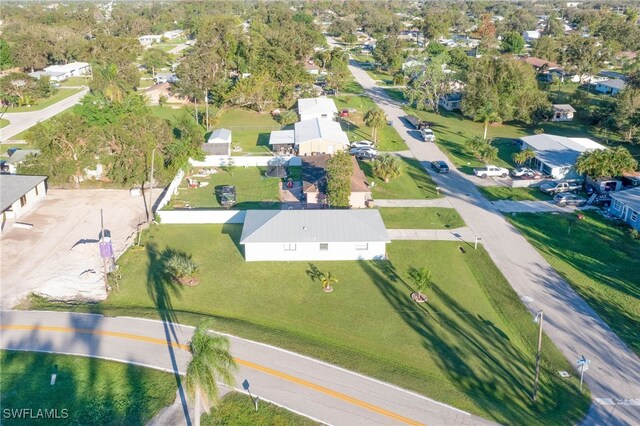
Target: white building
{"points": [[63, 72], [149, 39], [323, 108], [530, 36], [562, 112], [172, 35], [19, 194], [17, 157], [303, 235], [611, 87], [218, 143], [319, 136], [557, 155]]}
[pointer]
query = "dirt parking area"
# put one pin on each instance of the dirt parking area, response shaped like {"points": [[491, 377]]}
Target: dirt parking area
{"points": [[59, 258]]}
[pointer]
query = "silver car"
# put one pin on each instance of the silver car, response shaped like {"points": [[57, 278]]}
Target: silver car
{"points": [[569, 200]]}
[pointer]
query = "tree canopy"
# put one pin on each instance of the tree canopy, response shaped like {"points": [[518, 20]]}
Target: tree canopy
{"points": [[606, 162]]}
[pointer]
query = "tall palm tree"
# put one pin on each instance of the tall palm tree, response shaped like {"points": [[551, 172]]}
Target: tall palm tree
{"points": [[210, 360], [109, 81], [487, 115], [375, 118]]}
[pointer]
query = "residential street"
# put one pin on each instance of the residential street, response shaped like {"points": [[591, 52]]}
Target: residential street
{"points": [[574, 327], [319, 390], [21, 121]]}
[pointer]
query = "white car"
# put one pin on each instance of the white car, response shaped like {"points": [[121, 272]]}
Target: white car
{"points": [[362, 144], [427, 135], [522, 171], [356, 151]]}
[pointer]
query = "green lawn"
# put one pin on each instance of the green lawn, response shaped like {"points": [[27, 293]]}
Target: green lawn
{"points": [[76, 81], [598, 258], [253, 190], [92, 391], [237, 409], [494, 193], [4, 122], [250, 130], [420, 218], [388, 137], [472, 345], [414, 182], [43, 103], [396, 94]]}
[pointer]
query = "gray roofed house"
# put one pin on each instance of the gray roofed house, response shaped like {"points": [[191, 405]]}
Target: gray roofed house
{"points": [[18, 157], [218, 143], [611, 87], [626, 206], [557, 155], [323, 108], [319, 136], [282, 141], [313, 235], [19, 192], [562, 112]]}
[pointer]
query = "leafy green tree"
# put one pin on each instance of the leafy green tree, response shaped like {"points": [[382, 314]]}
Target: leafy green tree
{"points": [[375, 118], [387, 167], [434, 48], [67, 146], [585, 55], [421, 279], [288, 117], [482, 149], [210, 361], [33, 51], [436, 25], [155, 58], [256, 92], [389, 53], [17, 89], [426, 88], [606, 162], [512, 43], [339, 171], [546, 48], [109, 81], [6, 57], [554, 26], [627, 113]]}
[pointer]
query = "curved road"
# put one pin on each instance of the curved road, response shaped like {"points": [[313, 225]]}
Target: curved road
{"points": [[614, 373], [322, 391]]}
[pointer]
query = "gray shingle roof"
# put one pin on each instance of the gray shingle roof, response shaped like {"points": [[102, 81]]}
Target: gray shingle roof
{"points": [[628, 197], [21, 155], [12, 187], [308, 226], [220, 136], [616, 83]]}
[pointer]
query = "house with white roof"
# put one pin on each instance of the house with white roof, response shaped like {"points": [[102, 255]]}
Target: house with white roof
{"points": [[530, 36], [282, 141], [557, 155], [611, 87], [626, 206], [562, 112], [149, 39], [321, 107], [319, 136], [63, 72], [304, 235], [173, 34]]}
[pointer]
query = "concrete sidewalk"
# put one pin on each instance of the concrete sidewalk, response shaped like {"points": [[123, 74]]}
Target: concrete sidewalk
{"points": [[458, 234]]}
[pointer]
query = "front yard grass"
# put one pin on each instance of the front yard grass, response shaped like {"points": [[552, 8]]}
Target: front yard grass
{"points": [[253, 190], [420, 218], [249, 130], [472, 345], [388, 137], [598, 258], [413, 184], [93, 391], [495, 193], [237, 409], [76, 81], [4, 122], [62, 93]]}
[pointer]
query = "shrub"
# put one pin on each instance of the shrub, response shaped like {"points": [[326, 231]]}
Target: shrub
{"points": [[180, 265]]}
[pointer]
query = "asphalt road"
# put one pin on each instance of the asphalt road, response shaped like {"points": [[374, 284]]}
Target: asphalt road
{"points": [[21, 121], [319, 390], [614, 374]]}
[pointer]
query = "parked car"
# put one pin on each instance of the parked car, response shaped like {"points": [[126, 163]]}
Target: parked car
{"points": [[492, 171], [440, 166], [226, 195], [568, 199], [344, 113], [427, 135], [559, 186], [362, 144], [521, 171], [358, 151], [416, 122], [366, 155]]}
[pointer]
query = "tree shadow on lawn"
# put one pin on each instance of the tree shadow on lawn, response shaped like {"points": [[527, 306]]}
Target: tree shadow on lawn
{"points": [[466, 348]]}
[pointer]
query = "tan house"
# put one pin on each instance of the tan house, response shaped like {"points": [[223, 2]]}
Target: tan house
{"points": [[314, 182], [318, 136]]}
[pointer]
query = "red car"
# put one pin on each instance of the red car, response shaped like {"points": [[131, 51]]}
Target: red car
{"points": [[344, 113]]}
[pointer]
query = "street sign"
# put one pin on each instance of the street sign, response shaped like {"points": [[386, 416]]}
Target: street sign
{"points": [[583, 363]]}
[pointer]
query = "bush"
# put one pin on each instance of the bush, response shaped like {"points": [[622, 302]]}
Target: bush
{"points": [[180, 265]]}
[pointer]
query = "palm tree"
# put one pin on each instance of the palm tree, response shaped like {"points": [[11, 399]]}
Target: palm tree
{"points": [[375, 118], [421, 279], [108, 80], [524, 156], [387, 167], [606, 162], [488, 153], [326, 280], [210, 360], [487, 115]]}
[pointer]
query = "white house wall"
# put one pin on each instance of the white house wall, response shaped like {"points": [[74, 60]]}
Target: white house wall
{"points": [[311, 251], [17, 209]]}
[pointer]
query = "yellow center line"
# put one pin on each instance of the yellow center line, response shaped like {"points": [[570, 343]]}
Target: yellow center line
{"points": [[248, 364]]}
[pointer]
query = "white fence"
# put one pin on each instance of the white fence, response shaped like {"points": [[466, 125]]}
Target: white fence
{"points": [[244, 161], [171, 190], [201, 216]]}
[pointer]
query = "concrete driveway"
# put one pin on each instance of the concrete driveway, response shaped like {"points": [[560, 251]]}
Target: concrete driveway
{"points": [[59, 257]]}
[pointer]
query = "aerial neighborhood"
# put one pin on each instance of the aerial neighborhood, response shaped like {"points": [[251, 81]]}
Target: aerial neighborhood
{"points": [[320, 212]]}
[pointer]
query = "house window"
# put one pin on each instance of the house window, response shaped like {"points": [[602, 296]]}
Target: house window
{"points": [[634, 216], [23, 200], [324, 246], [289, 247], [616, 205], [324, 116], [362, 246], [37, 191]]}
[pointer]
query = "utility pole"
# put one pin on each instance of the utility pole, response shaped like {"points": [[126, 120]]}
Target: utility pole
{"points": [[206, 106], [150, 209], [539, 318]]}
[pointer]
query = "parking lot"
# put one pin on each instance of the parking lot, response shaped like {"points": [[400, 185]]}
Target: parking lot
{"points": [[59, 257]]}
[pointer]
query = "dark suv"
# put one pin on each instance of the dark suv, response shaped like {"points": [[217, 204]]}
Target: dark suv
{"points": [[440, 166], [226, 195]]}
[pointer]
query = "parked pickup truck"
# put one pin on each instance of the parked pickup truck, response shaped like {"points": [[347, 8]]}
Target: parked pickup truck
{"points": [[492, 171], [559, 186], [416, 122]]}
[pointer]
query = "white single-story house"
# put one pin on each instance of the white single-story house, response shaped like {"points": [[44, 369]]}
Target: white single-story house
{"points": [[321, 107], [319, 136], [63, 72], [19, 194], [451, 101], [218, 143], [530, 36], [557, 155], [626, 205], [173, 34], [562, 112], [148, 39], [610, 87], [303, 235], [53, 76], [282, 141], [17, 157]]}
